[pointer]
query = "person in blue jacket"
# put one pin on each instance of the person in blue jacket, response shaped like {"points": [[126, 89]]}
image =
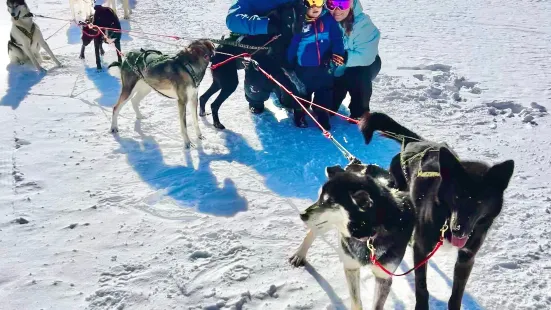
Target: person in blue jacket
{"points": [[312, 54], [259, 21], [361, 43]]}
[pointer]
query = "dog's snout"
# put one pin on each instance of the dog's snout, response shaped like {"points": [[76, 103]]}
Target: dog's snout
{"points": [[12, 14], [304, 216], [456, 227]]}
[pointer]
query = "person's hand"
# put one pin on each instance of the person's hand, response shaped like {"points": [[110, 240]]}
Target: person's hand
{"points": [[337, 60]]}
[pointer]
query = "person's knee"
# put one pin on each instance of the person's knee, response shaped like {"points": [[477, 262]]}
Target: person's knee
{"points": [[255, 94]]}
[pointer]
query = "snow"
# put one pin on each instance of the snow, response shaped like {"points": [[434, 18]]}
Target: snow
{"points": [[91, 220]]}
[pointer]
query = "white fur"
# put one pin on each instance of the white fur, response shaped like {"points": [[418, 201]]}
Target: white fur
{"points": [[338, 217], [81, 9], [113, 4], [142, 89], [30, 51]]}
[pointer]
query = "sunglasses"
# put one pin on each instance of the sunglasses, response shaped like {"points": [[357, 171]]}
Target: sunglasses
{"points": [[314, 3], [338, 4]]}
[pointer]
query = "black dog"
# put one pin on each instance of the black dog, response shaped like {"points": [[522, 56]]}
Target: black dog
{"points": [[224, 77], [103, 17], [468, 194], [359, 203]]}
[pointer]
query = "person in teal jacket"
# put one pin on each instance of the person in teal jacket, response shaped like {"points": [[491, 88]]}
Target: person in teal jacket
{"points": [[361, 44]]}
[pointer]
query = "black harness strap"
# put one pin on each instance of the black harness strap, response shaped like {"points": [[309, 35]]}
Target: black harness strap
{"points": [[28, 34]]}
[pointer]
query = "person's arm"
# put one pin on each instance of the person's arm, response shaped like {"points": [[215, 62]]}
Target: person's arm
{"points": [[365, 44], [337, 43], [241, 20], [293, 49]]}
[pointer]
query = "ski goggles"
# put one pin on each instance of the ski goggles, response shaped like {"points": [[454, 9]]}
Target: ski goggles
{"points": [[314, 3], [338, 4]]}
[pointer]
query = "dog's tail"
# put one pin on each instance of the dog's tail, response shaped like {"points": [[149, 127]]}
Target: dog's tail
{"points": [[376, 121], [115, 68]]}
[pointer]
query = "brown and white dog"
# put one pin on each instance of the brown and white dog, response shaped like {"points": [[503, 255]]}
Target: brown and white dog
{"points": [[176, 77]]}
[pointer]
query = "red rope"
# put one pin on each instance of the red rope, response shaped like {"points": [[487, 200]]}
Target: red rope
{"points": [[88, 34], [213, 67], [106, 38], [325, 132], [423, 262]]}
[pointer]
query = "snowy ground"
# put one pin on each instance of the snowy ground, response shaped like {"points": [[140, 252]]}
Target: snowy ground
{"points": [[135, 222]]}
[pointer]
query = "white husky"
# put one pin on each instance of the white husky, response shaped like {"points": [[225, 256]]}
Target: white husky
{"points": [[26, 39]]}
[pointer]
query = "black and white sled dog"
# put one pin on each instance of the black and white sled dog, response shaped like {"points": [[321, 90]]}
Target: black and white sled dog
{"points": [[26, 39], [359, 202], [468, 194], [176, 77]]}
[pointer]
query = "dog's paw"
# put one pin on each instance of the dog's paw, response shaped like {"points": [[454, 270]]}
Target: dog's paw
{"points": [[189, 145], [202, 112], [102, 52], [201, 137], [114, 130], [81, 57], [297, 260], [99, 70], [140, 116], [218, 125], [41, 70]]}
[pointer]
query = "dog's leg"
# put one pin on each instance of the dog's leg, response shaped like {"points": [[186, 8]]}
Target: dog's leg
{"points": [[462, 270], [119, 50], [195, 115], [206, 96], [382, 289], [353, 280], [27, 50], [126, 92], [182, 102], [421, 291], [229, 85], [97, 44], [46, 47], [126, 9], [113, 4], [299, 257], [142, 90], [82, 52]]}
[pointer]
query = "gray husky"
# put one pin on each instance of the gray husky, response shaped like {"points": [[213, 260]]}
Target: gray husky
{"points": [[26, 39], [176, 77], [359, 202], [468, 194]]}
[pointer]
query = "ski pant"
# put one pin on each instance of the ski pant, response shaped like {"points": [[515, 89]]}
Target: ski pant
{"points": [[358, 82]]}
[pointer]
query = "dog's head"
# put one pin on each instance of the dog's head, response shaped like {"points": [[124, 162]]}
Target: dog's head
{"points": [[202, 48], [349, 201], [473, 191], [17, 8]]}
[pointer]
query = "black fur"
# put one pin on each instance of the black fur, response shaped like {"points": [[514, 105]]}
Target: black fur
{"points": [[359, 197], [103, 17], [468, 193], [224, 77]]}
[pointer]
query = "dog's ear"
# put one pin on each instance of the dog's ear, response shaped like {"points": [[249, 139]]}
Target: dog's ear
{"points": [[499, 175], [362, 199], [330, 172], [450, 167]]}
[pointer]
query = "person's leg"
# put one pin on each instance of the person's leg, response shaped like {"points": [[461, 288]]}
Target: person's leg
{"points": [[257, 85], [340, 90], [323, 96], [362, 87]]}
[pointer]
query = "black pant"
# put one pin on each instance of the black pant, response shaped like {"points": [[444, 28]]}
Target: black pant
{"points": [[257, 86], [317, 81], [358, 82]]}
